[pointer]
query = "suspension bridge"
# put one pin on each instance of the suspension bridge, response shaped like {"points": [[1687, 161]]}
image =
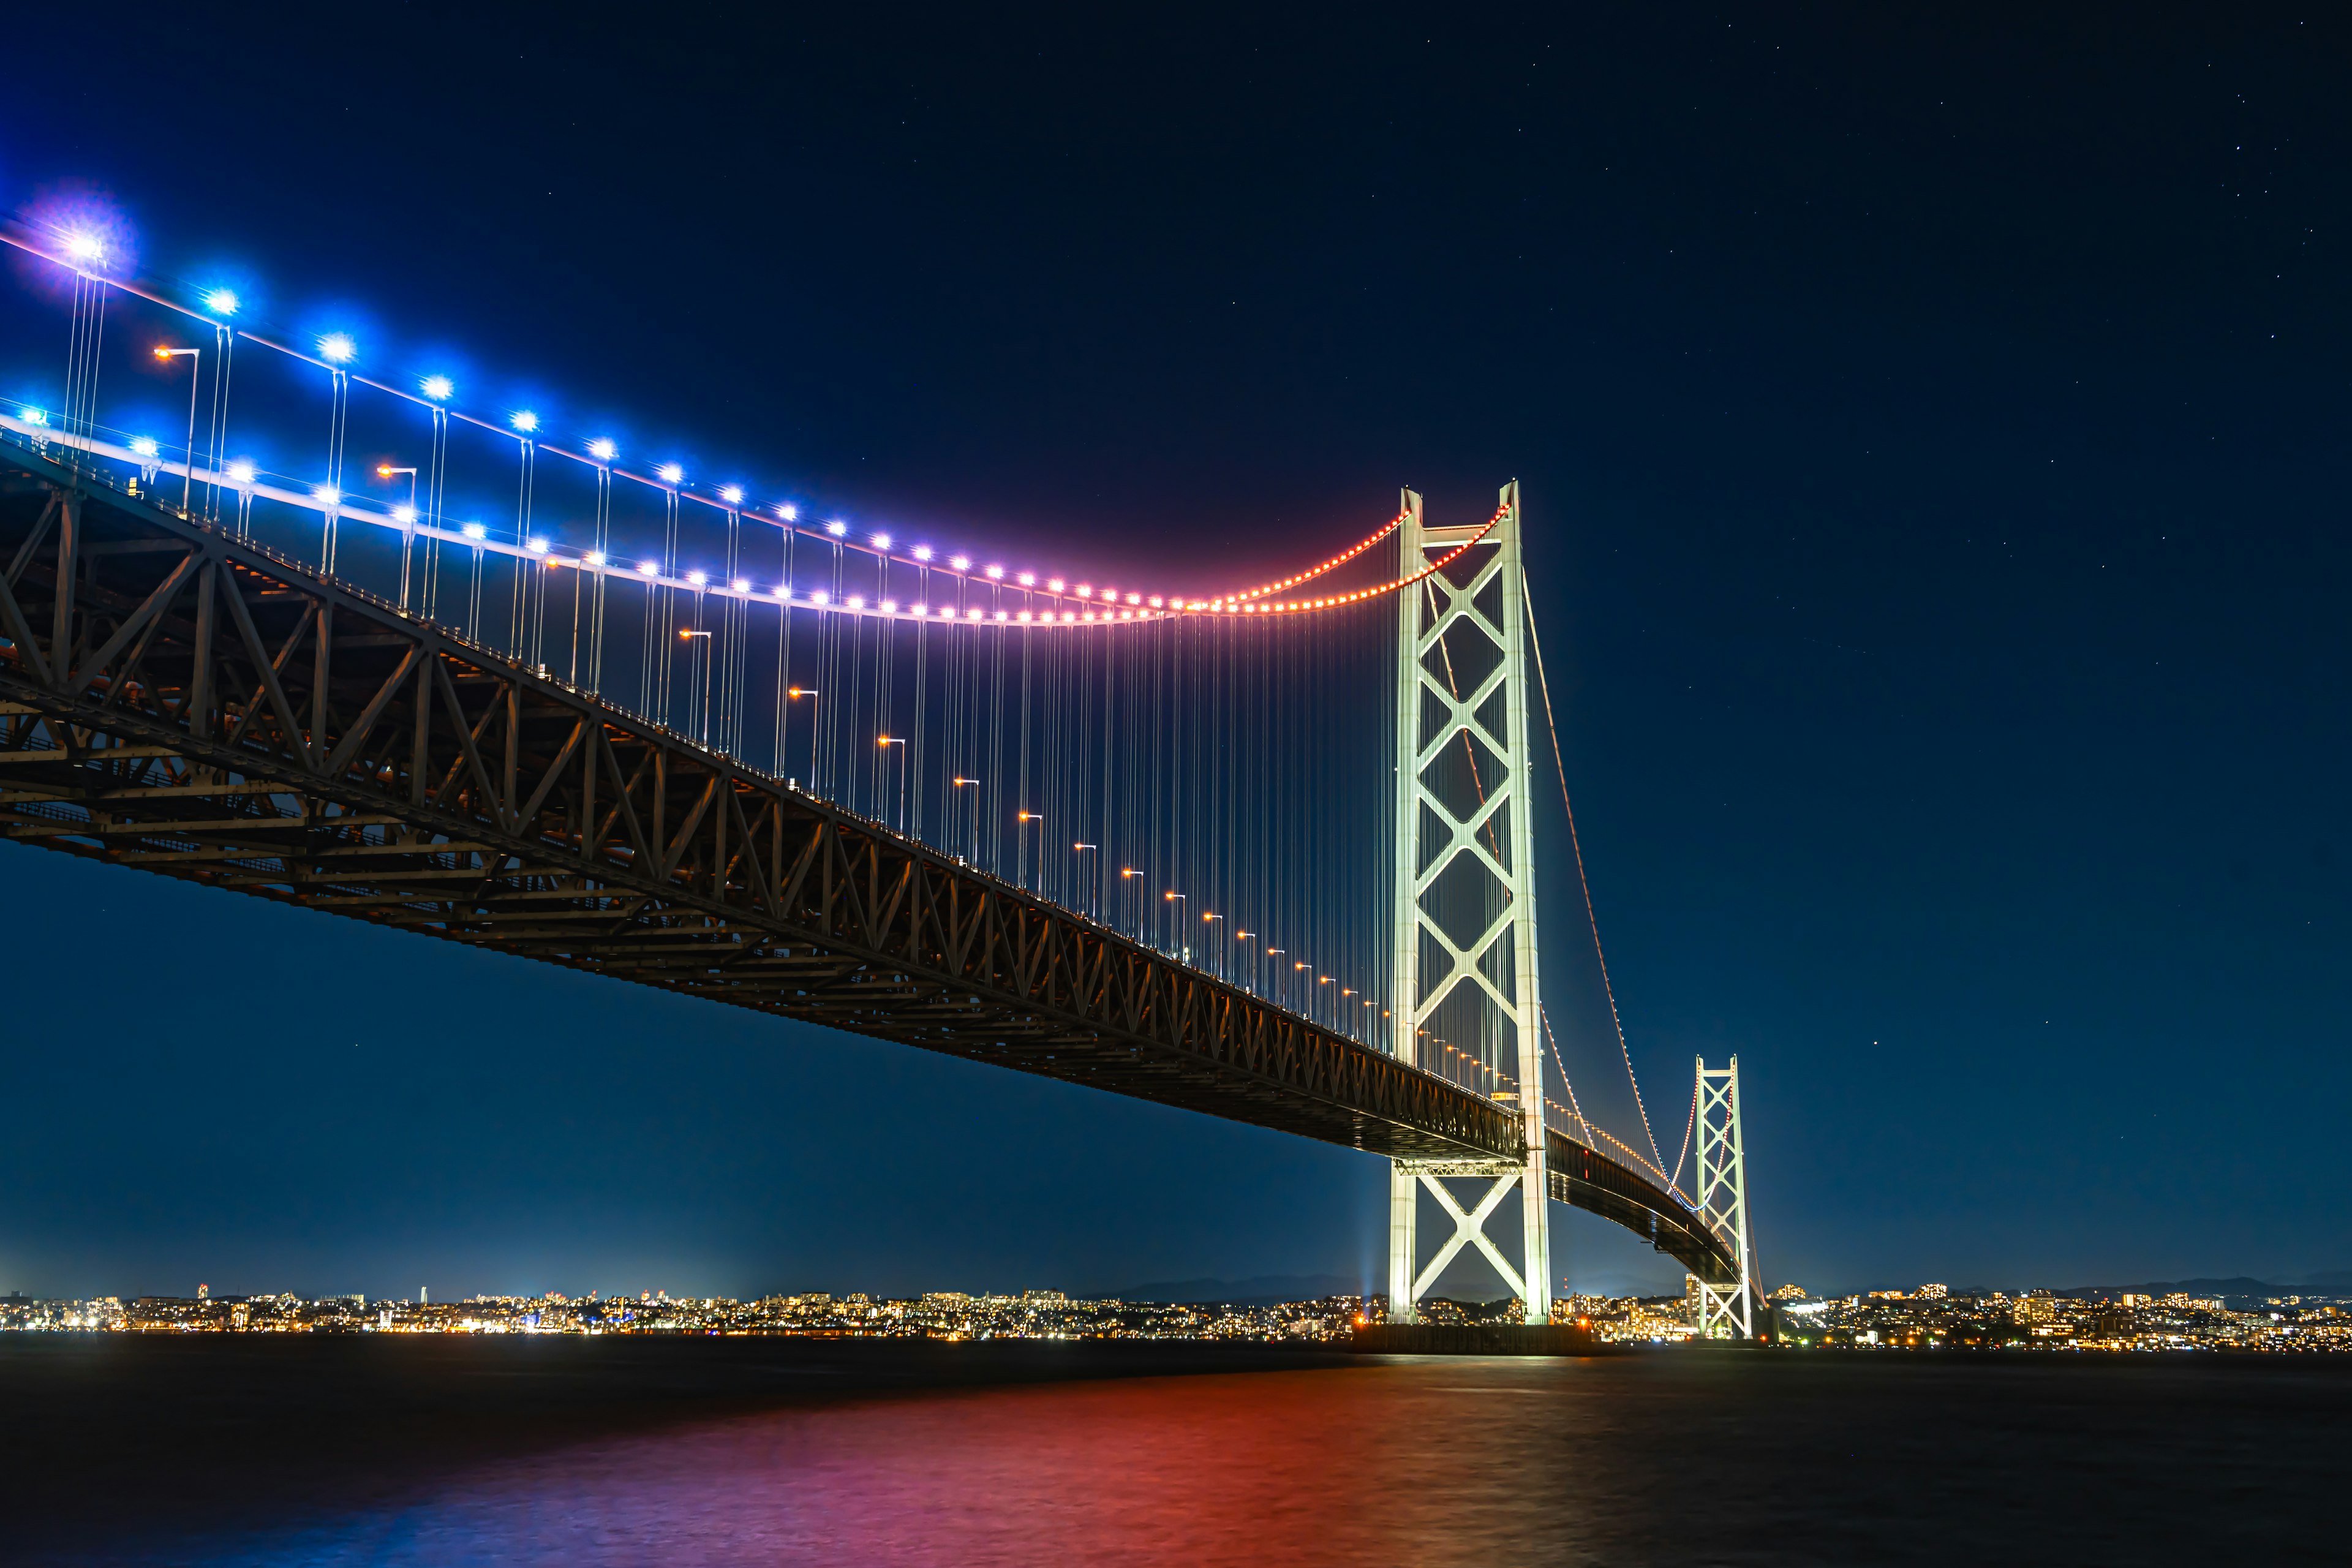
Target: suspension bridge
{"points": [[1265, 851]]}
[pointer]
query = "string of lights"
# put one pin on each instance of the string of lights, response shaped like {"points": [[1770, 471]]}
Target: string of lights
{"points": [[1193, 774]]}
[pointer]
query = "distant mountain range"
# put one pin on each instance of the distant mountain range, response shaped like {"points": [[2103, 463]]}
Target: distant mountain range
{"points": [[1262, 1289], [1254, 1291], [2331, 1282]]}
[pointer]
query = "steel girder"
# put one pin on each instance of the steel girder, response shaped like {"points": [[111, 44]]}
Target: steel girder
{"points": [[197, 706]]}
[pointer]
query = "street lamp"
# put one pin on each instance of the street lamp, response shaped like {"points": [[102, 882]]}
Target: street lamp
{"points": [[1244, 936], [407, 517], [1021, 819], [1281, 992], [1081, 849], [1125, 872], [688, 634], [959, 782], [1206, 918], [795, 693], [196, 363], [1177, 899], [885, 743]]}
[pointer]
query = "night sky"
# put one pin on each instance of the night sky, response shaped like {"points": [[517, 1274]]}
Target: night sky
{"points": [[1932, 438]]}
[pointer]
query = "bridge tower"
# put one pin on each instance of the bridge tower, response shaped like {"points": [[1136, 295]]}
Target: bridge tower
{"points": [[1465, 997], [1724, 1310]]}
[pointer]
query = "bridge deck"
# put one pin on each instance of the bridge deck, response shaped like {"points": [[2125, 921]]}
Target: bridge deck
{"points": [[199, 707]]}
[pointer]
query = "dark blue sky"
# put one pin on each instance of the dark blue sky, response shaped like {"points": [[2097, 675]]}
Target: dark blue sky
{"points": [[1932, 432]]}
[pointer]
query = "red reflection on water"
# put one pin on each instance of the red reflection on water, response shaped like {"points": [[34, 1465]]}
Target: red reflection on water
{"points": [[1315, 1467]]}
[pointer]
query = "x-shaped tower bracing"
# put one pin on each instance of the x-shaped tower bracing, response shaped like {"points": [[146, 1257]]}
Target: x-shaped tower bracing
{"points": [[1724, 1310], [1465, 919]]}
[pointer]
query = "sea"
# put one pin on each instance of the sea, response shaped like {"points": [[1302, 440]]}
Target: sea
{"points": [[381, 1450]]}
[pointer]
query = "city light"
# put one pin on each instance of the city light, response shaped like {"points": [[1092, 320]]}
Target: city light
{"points": [[525, 421], [594, 558], [838, 528], [1027, 579], [881, 541], [145, 446], [240, 473], [789, 512], [648, 568], [732, 494], [222, 301], [994, 573], [960, 563], [475, 530], [741, 584], [328, 494], [669, 473], [437, 387], [404, 515], [922, 552], [84, 248], [536, 546], [603, 450], [35, 417], [337, 348], [698, 579]]}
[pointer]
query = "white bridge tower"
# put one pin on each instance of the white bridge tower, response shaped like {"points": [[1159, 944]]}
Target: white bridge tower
{"points": [[1466, 1001], [1724, 1310]]}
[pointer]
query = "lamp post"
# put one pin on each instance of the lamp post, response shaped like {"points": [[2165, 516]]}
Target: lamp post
{"points": [[1281, 992], [885, 743], [1206, 920], [407, 524], [1021, 819], [688, 635], [1252, 983], [1178, 900], [795, 693], [1095, 902], [1125, 873], [961, 783], [196, 365]]}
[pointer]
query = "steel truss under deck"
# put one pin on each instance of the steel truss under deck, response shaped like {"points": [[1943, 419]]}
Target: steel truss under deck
{"points": [[181, 701]]}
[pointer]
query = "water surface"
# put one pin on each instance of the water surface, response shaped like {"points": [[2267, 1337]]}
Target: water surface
{"points": [[824, 1457]]}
